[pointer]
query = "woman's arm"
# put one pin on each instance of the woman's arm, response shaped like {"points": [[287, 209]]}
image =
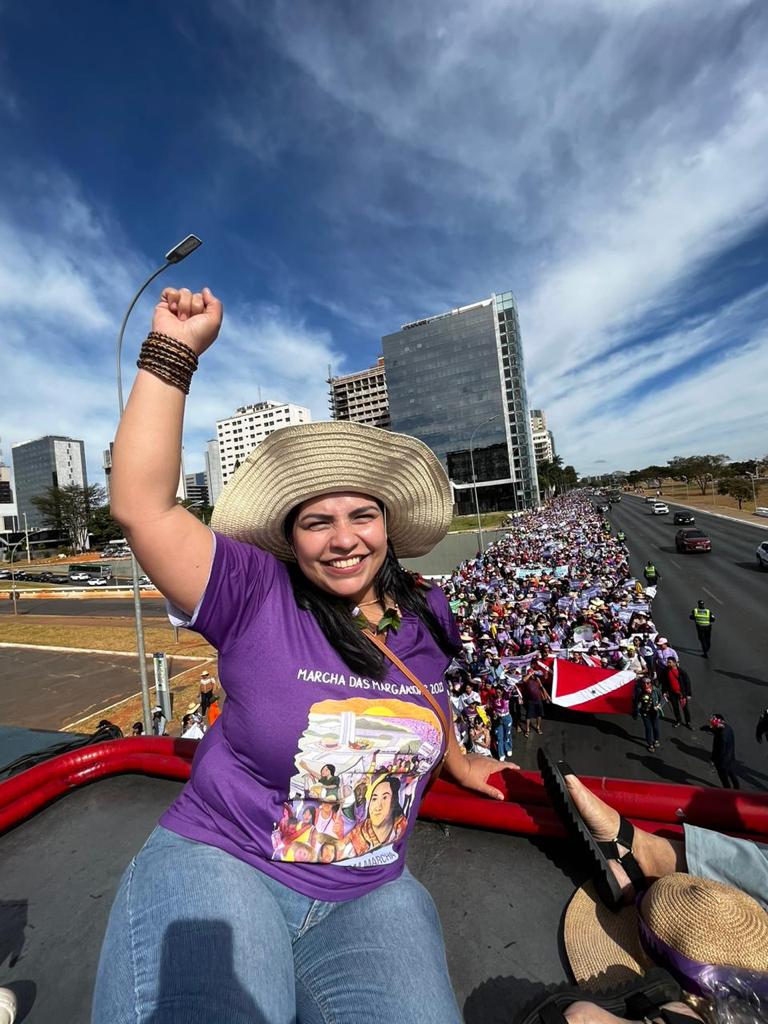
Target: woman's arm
{"points": [[174, 548]]}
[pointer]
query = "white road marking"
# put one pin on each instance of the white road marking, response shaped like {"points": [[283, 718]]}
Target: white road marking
{"points": [[711, 595]]}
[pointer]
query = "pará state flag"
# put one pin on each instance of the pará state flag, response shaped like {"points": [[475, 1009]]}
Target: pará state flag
{"points": [[602, 691]]}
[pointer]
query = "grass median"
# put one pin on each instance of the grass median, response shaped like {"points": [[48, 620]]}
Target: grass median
{"points": [[81, 633]]}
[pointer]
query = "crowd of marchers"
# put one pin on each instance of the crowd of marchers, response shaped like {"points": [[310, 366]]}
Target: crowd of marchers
{"points": [[559, 585]]}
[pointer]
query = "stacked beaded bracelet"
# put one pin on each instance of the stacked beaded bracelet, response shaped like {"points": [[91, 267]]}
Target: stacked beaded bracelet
{"points": [[168, 359]]}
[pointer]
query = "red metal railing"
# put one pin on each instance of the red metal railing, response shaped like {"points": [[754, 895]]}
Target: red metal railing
{"points": [[656, 807]]}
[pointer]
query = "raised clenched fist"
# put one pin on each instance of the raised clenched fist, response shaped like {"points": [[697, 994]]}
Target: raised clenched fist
{"points": [[191, 317]]}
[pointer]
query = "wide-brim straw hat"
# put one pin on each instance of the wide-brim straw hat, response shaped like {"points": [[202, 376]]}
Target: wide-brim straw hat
{"points": [[300, 462], [695, 920]]}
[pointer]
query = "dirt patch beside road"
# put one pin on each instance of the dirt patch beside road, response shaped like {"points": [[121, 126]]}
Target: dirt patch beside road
{"points": [[101, 634]]}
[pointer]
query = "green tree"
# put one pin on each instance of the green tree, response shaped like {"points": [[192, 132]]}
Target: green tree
{"points": [[738, 487], [69, 510], [698, 468], [550, 475], [103, 527]]}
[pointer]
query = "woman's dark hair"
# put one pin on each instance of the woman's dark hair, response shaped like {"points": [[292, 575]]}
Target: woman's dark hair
{"points": [[334, 615]]}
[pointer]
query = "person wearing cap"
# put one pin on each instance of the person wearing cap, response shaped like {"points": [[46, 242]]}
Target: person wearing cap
{"points": [[677, 689], [703, 618], [723, 750], [651, 573], [159, 721], [325, 642], [208, 687]]}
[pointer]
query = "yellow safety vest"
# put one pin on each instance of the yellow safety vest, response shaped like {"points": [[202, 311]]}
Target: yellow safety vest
{"points": [[702, 616]]}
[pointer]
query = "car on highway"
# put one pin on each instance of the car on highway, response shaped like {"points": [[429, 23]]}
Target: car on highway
{"points": [[762, 555], [649, 499], [692, 540], [603, 507], [97, 581], [5, 574], [79, 577], [684, 519], [660, 508], [145, 581]]}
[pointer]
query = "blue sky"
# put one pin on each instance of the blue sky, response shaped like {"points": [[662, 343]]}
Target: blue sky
{"points": [[354, 166]]}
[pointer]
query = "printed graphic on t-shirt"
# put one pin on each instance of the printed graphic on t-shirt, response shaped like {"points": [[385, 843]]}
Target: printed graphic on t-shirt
{"points": [[358, 767]]}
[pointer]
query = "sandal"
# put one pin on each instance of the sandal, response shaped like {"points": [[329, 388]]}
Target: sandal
{"points": [[608, 888], [640, 998]]}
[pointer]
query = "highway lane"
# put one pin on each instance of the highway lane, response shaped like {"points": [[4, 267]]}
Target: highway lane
{"points": [[734, 680], [152, 607]]}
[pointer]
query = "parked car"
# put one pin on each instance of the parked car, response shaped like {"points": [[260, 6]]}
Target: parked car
{"points": [[762, 555], [684, 519], [692, 540], [660, 508]]}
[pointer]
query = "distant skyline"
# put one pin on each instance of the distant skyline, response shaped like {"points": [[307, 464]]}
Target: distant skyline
{"points": [[353, 167]]}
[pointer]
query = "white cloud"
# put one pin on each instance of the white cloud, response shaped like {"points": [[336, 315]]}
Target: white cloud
{"points": [[609, 150], [63, 291]]}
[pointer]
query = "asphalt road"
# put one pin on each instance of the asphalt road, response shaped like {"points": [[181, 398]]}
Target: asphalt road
{"points": [[47, 689], [152, 607], [733, 681]]}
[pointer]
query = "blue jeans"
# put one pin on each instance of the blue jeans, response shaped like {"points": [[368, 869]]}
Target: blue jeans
{"points": [[196, 935], [504, 736], [651, 726]]}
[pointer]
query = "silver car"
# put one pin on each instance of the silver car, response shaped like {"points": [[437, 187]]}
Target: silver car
{"points": [[762, 555]]}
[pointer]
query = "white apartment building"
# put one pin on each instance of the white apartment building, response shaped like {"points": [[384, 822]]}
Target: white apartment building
{"points": [[543, 439], [361, 397], [251, 424]]}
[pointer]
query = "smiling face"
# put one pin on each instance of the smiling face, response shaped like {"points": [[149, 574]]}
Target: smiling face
{"points": [[340, 543]]}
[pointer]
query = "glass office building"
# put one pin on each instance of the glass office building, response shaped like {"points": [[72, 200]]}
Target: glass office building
{"points": [[47, 462], [457, 382]]}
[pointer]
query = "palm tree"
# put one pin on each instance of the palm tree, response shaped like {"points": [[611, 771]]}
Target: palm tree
{"points": [[550, 474]]}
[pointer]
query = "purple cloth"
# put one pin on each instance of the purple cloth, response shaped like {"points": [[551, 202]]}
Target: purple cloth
{"points": [[700, 979], [303, 741]]}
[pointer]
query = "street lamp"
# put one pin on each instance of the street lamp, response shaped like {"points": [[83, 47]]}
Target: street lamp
{"points": [[13, 577], [474, 480], [26, 535], [176, 255]]}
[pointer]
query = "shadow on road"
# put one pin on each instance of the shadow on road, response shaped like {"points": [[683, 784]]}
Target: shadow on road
{"points": [[739, 675], [753, 566], [668, 772], [690, 751]]}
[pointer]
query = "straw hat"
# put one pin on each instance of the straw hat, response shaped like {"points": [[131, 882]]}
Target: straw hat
{"points": [[305, 461], [686, 921]]}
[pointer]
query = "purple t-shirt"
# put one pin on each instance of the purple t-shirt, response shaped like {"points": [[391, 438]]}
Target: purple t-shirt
{"points": [[312, 773]]}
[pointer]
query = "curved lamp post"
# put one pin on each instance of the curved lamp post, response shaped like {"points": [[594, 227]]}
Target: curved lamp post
{"points": [[176, 255]]}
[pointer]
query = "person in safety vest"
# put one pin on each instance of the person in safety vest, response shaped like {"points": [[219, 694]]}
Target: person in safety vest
{"points": [[621, 537], [651, 573], [703, 618]]}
